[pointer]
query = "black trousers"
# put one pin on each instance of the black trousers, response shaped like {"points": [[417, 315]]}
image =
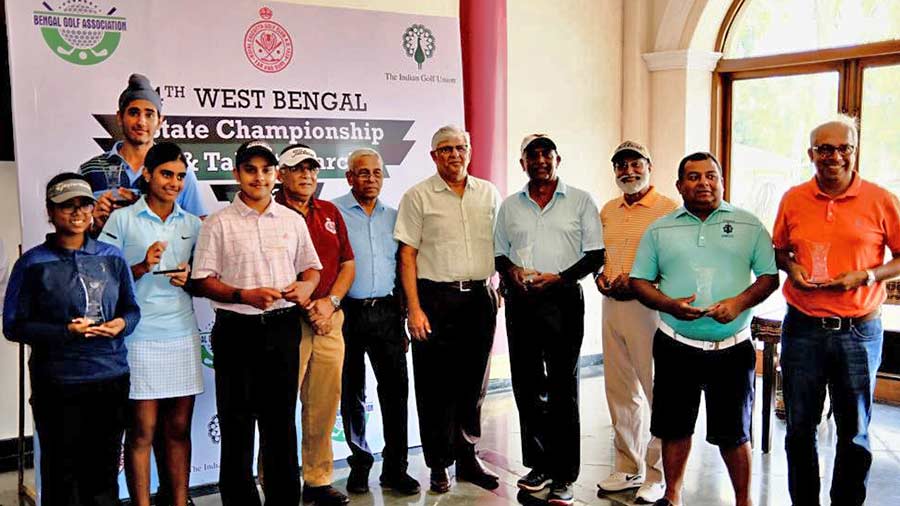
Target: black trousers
{"points": [[451, 369], [80, 427], [375, 327], [257, 361], [545, 331]]}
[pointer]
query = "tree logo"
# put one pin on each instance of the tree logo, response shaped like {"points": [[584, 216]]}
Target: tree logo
{"points": [[418, 43], [79, 31], [267, 44]]}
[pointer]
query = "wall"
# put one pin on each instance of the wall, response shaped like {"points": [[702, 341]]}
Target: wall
{"points": [[9, 352]]}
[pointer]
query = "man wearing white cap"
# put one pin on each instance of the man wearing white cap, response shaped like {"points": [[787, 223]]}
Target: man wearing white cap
{"points": [[547, 238], [628, 326]]}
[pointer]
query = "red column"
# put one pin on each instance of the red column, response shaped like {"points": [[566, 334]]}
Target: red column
{"points": [[483, 32]]}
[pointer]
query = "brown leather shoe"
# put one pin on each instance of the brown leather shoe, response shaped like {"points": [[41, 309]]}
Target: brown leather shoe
{"points": [[440, 481]]}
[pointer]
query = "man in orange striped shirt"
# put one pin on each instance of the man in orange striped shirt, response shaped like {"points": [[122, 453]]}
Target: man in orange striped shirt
{"points": [[830, 237], [628, 326]]}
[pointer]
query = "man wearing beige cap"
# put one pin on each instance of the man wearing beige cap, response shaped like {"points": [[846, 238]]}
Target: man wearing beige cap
{"points": [[547, 238], [628, 326]]}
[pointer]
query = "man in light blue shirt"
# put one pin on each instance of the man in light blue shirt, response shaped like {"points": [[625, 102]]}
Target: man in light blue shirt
{"points": [[548, 237], [702, 255], [115, 175], [373, 325]]}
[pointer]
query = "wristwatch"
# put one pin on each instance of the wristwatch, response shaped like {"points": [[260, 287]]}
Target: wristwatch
{"points": [[236, 296], [870, 277], [335, 301]]}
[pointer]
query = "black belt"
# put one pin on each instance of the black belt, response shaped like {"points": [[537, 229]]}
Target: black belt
{"points": [[261, 318], [370, 302], [830, 322], [458, 286]]}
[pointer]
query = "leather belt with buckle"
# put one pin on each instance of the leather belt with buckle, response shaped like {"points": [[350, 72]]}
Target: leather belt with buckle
{"points": [[830, 322], [370, 302], [263, 317], [723, 344], [459, 286]]}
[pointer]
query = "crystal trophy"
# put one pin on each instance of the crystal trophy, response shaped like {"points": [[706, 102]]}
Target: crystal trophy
{"points": [[704, 277], [818, 252], [526, 256], [114, 177], [93, 298]]}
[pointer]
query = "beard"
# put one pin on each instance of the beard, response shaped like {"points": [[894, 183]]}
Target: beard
{"points": [[636, 186]]}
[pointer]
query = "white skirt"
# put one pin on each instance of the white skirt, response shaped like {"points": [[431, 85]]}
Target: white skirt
{"points": [[165, 369]]}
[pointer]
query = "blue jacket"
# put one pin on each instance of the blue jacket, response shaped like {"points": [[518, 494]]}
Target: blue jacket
{"points": [[45, 293]]}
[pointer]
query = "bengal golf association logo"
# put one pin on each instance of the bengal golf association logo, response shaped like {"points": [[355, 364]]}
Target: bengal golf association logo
{"points": [[213, 431], [206, 355], [418, 43], [80, 31], [267, 44]]}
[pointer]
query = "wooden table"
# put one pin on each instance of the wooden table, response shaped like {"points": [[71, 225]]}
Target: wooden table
{"points": [[766, 328]]}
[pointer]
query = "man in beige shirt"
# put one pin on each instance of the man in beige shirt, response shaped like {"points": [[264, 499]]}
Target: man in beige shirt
{"points": [[628, 326], [445, 227]]}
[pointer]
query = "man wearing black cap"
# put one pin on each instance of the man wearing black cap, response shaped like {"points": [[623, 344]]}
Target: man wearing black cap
{"points": [[547, 238], [114, 175], [256, 261]]}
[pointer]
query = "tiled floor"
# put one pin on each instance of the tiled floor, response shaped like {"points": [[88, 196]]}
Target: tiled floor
{"points": [[706, 484]]}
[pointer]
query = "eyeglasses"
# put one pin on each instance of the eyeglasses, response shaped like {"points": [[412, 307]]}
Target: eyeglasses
{"points": [[634, 164], [829, 149], [366, 176], [300, 168], [71, 207], [448, 150]]}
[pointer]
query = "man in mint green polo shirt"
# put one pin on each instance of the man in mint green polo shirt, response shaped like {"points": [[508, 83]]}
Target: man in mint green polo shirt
{"points": [[702, 255]]}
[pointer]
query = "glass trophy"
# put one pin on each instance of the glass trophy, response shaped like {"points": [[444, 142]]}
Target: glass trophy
{"points": [[818, 252], [704, 277], [93, 298], [526, 256], [114, 177]]}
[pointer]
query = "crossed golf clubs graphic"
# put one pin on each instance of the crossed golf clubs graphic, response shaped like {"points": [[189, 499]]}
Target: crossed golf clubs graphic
{"points": [[268, 43]]}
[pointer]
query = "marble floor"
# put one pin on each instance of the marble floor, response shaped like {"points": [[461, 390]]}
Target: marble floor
{"points": [[707, 481]]}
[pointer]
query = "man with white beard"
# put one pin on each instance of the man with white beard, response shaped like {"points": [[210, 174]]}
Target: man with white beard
{"points": [[628, 326]]}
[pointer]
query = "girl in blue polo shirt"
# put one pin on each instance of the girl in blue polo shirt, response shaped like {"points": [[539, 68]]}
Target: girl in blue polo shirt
{"points": [[157, 237], [71, 300]]}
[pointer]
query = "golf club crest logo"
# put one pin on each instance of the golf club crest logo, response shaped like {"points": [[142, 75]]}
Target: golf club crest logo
{"points": [[80, 31], [418, 43], [267, 45], [206, 354]]}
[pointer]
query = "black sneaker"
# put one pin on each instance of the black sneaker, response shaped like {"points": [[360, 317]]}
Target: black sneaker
{"points": [[561, 494], [534, 481], [358, 481], [324, 496], [401, 483], [663, 502]]}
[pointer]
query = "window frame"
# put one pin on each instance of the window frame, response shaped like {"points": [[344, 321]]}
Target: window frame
{"points": [[850, 63]]}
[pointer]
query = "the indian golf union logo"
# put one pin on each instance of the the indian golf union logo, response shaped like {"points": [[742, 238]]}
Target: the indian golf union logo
{"points": [[212, 429], [267, 44], [206, 355], [337, 432], [80, 31], [418, 42]]}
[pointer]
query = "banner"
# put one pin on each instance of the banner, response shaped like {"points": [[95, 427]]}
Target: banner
{"points": [[335, 79]]}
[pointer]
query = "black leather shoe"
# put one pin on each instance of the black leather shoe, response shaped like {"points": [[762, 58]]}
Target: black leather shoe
{"points": [[324, 496], [473, 471], [440, 481], [358, 481], [401, 483]]}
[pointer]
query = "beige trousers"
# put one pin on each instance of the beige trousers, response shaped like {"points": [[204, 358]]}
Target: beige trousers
{"points": [[321, 362], [628, 329]]}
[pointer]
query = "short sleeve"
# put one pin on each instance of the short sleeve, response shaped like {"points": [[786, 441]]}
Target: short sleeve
{"points": [[780, 233], [206, 252], [763, 261], [114, 230], [501, 238], [408, 228], [892, 223], [346, 253], [591, 228], [646, 261]]}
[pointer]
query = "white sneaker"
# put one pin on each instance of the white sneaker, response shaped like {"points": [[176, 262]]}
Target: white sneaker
{"points": [[619, 481], [649, 493]]}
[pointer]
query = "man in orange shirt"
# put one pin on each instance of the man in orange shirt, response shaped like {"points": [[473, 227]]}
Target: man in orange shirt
{"points": [[829, 237]]}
